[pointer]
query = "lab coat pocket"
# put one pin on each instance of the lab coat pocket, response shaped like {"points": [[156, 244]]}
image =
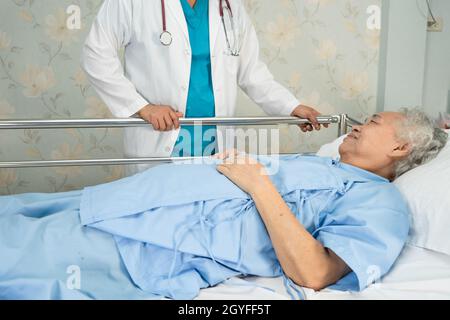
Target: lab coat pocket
{"points": [[231, 63]]}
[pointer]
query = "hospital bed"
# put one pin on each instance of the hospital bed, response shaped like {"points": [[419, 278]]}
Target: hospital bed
{"points": [[419, 273]]}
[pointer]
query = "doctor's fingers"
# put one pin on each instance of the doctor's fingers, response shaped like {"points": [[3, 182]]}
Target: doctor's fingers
{"points": [[168, 121], [305, 127], [175, 120], [161, 123], [318, 114], [314, 124], [312, 117], [154, 122]]}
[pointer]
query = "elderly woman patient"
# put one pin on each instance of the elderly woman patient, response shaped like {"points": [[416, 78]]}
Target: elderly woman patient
{"points": [[174, 229]]}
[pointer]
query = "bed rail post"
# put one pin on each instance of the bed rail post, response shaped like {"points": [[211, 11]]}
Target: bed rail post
{"points": [[342, 126]]}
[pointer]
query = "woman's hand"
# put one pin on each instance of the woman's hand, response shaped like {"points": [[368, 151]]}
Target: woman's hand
{"points": [[243, 171]]}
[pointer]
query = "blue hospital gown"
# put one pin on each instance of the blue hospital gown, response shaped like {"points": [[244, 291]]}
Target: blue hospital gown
{"points": [[180, 228]]}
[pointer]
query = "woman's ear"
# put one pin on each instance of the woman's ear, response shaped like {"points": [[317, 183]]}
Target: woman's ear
{"points": [[401, 150]]}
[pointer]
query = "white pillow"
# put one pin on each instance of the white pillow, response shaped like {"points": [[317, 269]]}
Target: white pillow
{"points": [[427, 191], [331, 150]]}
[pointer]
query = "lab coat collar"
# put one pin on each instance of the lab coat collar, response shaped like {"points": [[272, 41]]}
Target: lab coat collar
{"points": [[214, 23], [214, 20], [177, 10]]}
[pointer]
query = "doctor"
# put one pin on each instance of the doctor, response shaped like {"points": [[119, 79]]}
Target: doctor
{"points": [[183, 58]]}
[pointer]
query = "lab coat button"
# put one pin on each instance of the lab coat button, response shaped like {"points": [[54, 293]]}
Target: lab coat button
{"points": [[184, 88]]}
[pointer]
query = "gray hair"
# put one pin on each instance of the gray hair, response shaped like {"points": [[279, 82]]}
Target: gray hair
{"points": [[425, 138]]}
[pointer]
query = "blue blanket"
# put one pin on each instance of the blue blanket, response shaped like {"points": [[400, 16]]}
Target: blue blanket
{"points": [[174, 229]]}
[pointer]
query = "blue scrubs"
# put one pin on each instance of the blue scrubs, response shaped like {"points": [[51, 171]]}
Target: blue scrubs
{"points": [[176, 237], [199, 141]]}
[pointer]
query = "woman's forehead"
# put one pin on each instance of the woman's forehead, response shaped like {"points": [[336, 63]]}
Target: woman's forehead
{"points": [[389, 116]]}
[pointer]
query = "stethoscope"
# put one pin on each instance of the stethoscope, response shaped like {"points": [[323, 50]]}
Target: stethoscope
{"points": [[166, 37]]}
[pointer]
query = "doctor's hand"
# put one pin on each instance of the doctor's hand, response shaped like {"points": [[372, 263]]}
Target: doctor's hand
{"points": [[244, 171], [309, 113], [162, 118]]}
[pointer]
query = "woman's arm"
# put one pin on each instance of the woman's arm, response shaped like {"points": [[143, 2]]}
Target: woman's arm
{"points": [[303, 258]]}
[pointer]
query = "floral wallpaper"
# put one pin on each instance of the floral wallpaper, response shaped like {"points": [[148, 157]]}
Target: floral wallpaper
{"points": [[321, 49], [324, 52]]}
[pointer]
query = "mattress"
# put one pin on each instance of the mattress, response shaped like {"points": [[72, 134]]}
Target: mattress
{"points": [[417, 274]]}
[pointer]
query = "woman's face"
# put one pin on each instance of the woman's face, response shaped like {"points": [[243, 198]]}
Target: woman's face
{"points": [[375, 142]]}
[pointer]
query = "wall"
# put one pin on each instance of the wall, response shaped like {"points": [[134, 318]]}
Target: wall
{"points": [[323, 51], [403, 52], [414, 64], [437, 75], [320, 49]]}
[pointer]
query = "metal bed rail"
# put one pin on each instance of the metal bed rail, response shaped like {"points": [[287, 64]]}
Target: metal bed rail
{"points": [[344, 122], [136, 122]]}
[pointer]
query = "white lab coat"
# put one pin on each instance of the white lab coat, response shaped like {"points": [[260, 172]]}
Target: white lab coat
{"points": [[157, 74]]}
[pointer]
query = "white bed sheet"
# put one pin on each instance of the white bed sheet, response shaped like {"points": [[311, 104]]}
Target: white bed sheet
{"points": [[417, 274]]}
